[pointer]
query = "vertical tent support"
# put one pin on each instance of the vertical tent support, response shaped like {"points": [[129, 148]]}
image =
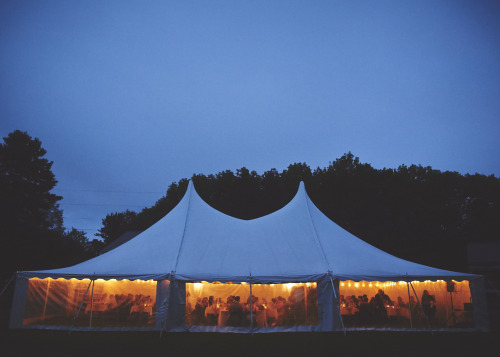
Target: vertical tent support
{"points": [[169, 301], [409, 305], [91, 303], [46, 298], [251, 307], [421, 308], [81, 304], [337, 302]]}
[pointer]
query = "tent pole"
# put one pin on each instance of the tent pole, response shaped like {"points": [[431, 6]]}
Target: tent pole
{"points": [[91, 303], [169, 301], [409, 305], [251, 308], [46, 298], [421, 308], [8, 283], [81, 304], [338, 305]]}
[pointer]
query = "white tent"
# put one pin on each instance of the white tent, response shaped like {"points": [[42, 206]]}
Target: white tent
{"points": [[195, 243]]}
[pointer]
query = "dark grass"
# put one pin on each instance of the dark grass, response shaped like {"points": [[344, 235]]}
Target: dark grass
{"points": [[60, 343]]}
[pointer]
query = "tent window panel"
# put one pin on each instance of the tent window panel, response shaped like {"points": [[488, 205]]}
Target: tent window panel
{"points": [[387, 305], [215, 304], [274, 305], [112, 303], [292, 304]]}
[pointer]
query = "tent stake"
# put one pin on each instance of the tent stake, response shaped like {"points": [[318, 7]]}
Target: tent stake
{"points": [[78, 312], [338, 305], [409, 305], [422, 308]]}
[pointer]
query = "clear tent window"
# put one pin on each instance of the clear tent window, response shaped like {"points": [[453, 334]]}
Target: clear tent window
{"points": [[271, 305]]}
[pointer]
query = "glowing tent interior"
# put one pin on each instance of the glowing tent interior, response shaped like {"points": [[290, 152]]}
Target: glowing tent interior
{"points": [[198, 269]]}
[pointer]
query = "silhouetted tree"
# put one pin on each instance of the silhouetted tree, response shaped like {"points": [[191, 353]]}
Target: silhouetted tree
{"points": [[414, 212], [29, 212], [31, 225]]}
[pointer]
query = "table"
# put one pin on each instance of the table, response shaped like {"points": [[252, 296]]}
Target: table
{"points": [[260, 318], [223, 316], [141, 308]]}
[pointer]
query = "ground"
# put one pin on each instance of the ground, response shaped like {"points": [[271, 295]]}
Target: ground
{"points": [[58, 343]]}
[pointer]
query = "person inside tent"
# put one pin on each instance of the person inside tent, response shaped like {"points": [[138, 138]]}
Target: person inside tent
{"points": [[429, 305], [380, 301], [235, 313], [211, 312]]}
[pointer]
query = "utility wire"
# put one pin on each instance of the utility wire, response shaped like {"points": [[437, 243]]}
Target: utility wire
{"points": [[101, 191], [100, 204]]}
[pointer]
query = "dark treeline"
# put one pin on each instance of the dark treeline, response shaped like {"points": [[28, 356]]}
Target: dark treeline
{"points": [[32, 235], [414, 212]]}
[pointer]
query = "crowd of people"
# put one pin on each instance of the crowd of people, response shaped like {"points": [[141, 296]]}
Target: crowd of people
{"points": [[122, 307], [280, 311], [375, 309]]}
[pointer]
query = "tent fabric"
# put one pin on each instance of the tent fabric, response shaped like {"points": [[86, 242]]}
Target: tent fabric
{"points": [[195, 242]]}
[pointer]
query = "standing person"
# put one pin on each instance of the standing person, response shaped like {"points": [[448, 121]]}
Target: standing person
{"points": [[211, 312], [429, 305], [380, 300], [235, 312], [280, 306]]}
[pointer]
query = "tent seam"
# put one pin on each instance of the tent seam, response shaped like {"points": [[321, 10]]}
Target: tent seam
{"points": [[316, 233], [190, 188]]}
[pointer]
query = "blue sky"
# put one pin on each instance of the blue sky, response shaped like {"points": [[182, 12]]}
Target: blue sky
{"points": [[129, 96]]}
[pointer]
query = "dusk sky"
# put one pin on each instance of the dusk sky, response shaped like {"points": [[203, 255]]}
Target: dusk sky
{"points": [[130, 96]]}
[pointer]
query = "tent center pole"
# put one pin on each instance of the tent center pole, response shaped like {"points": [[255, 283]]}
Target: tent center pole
{"points": [[251, 309], [91, 303], [81, 304], [422, 308], [409, 305], [46, 298]]}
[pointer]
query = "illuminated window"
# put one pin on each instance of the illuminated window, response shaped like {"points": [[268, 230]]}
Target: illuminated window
{"points": [[274, 305], [108, 303], [394, 304]]}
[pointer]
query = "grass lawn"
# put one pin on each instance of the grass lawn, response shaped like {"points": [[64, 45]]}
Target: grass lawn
{"points": [[59, 343]]}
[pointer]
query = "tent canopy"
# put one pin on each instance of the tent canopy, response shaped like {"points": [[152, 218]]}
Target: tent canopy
{"points": [[195, 242]]}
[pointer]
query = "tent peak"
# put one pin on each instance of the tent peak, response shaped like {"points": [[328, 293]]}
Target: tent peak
{"points": [[302, 189]]}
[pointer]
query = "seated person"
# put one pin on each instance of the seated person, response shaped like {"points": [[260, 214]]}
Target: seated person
{"points": [[236, 314]]}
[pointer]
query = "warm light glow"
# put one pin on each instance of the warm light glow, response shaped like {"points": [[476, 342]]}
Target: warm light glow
{"points": [[197, 286]]}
